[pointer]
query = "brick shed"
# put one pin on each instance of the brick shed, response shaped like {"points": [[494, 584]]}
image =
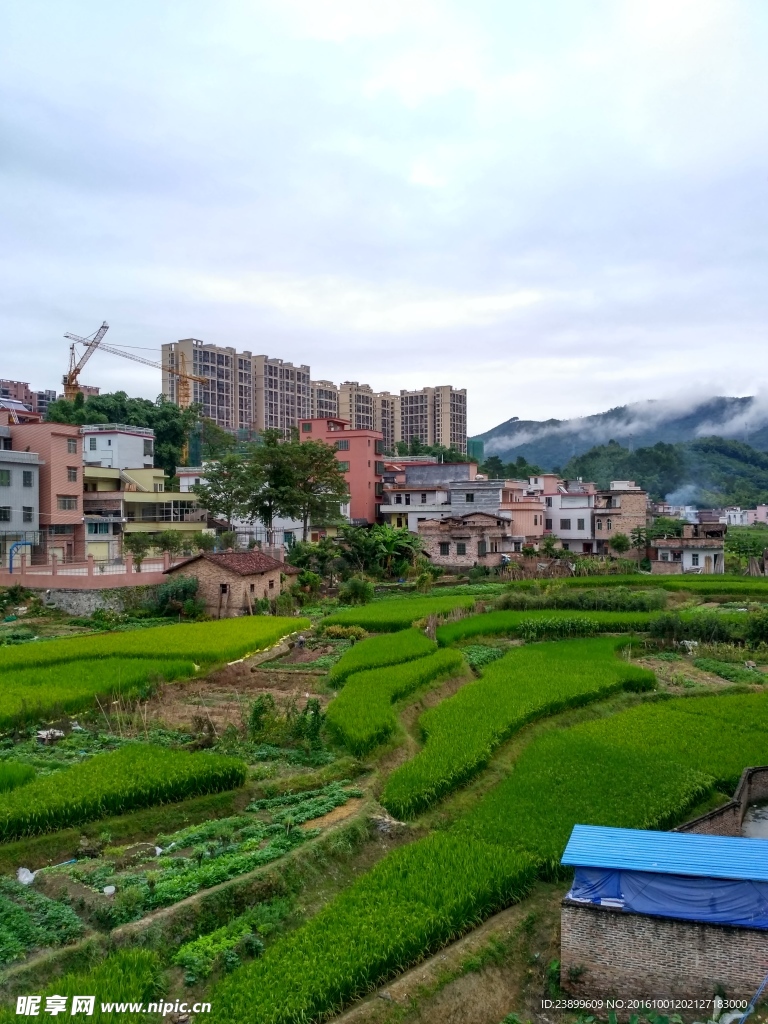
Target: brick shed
{"points": [[230, 582], [655, 915]]}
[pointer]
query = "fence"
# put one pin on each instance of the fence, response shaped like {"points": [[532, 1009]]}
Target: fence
{"points": [[89, 574]]}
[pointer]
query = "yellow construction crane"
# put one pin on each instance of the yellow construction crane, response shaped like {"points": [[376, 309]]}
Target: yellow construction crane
{"points": [[92, 342], [71, 387]]}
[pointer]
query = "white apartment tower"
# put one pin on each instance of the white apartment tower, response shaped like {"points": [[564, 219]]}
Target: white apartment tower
{"points": [[324, 399]]}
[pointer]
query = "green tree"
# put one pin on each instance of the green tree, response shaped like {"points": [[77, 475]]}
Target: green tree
{"points": [[172, 425], [138, 544], [269, 481], [171, 541], [203, 541], [225, 491], [620, 543], [215, 442], [379, 550], [318, 558], [548, 545], [318, 486]]}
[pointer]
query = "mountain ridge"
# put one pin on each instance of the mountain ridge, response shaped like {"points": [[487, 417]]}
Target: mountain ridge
{"points": [[552, 443]]}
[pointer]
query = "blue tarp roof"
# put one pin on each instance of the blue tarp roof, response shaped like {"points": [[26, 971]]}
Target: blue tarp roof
{"points": [[668, 853]]}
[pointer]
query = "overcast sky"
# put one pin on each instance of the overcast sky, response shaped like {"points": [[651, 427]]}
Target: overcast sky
{"points": [[561, 205]]}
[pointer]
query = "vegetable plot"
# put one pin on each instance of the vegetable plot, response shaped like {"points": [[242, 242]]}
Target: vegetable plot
{"points": [[389, 649], [400, 613], [136, 775], [28, 920], [528, 682], [362, 716]]}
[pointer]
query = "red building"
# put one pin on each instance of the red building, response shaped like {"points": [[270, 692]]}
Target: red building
{"points": [[359, 454]]}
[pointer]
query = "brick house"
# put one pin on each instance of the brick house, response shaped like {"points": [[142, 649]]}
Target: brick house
{"points": [[620, 509], [477, 538], [700, 549], [230, 582]]}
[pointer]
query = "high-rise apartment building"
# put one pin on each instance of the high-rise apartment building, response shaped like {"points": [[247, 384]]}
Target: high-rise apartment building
{"points": [[281, 394], [386, 418], [435, 415], [242, 391], [324, 399], [356, 404], [19, 391]]}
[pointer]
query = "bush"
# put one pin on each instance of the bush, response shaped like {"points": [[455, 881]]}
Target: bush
{"points": [[136, 775], [344, 632], [356, 590], [171, 597]]}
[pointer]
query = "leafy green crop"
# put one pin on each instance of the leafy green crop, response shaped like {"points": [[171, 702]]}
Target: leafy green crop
{"points": [[727, 670], [136, 775], [203, 642], [389, 649], [398, 613], [480, 654], [527, 683], [28, 919], [362, 716]]}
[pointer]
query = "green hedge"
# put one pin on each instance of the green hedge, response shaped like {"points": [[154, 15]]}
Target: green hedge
{"points": [[136, 775], [362, 716], [377, 651], [527, 683], [549, 624]]}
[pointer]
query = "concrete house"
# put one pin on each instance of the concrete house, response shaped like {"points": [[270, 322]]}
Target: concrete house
{"points": [[230, 582], [701, 549]]}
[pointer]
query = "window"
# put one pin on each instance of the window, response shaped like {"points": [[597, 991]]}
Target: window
{"points": [[565, 524], [5, 478], [407, 499], [694, 559], [423, 499], [288, 538], [379, 467], [159, 488], [548, 502], [665, 556], [469, 498], [28, 514], [398, 499], [147, 448], [482, 549], [609, 524], [98, 528], [547, 524], [445, 548], [5, 513], [399, 522], [92, 443], [379, 447], [71, 446], [306, 428], [253, 588], [343, 466], [66, 502], [28, 478], [71, 475], [342, 446], [535, 520], [566, 546], [461, 548], [271, 584], [579, 524], [518, 545], [224, 588], [599, 524]]}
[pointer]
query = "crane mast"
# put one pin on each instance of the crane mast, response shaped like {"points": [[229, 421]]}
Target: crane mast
{"points": [[92, 342]]}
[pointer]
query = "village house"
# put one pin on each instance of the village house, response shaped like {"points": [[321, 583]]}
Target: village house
{"points": [[229, 583], [477, 538], [700, 549]]}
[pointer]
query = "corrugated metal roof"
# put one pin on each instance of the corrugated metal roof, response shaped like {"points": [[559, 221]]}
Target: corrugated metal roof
{"points": [[668, 853]]}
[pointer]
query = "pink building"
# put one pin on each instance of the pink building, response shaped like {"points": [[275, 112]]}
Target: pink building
{"points": [[59, 446], [359, 454]]}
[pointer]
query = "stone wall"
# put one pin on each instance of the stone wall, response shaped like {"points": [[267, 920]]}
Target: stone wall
{"points": [[607, 952], [86, 602], [240, 588], [726, 820]]}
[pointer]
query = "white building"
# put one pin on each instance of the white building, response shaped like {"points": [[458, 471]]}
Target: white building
{"points": [[118, 446]]}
